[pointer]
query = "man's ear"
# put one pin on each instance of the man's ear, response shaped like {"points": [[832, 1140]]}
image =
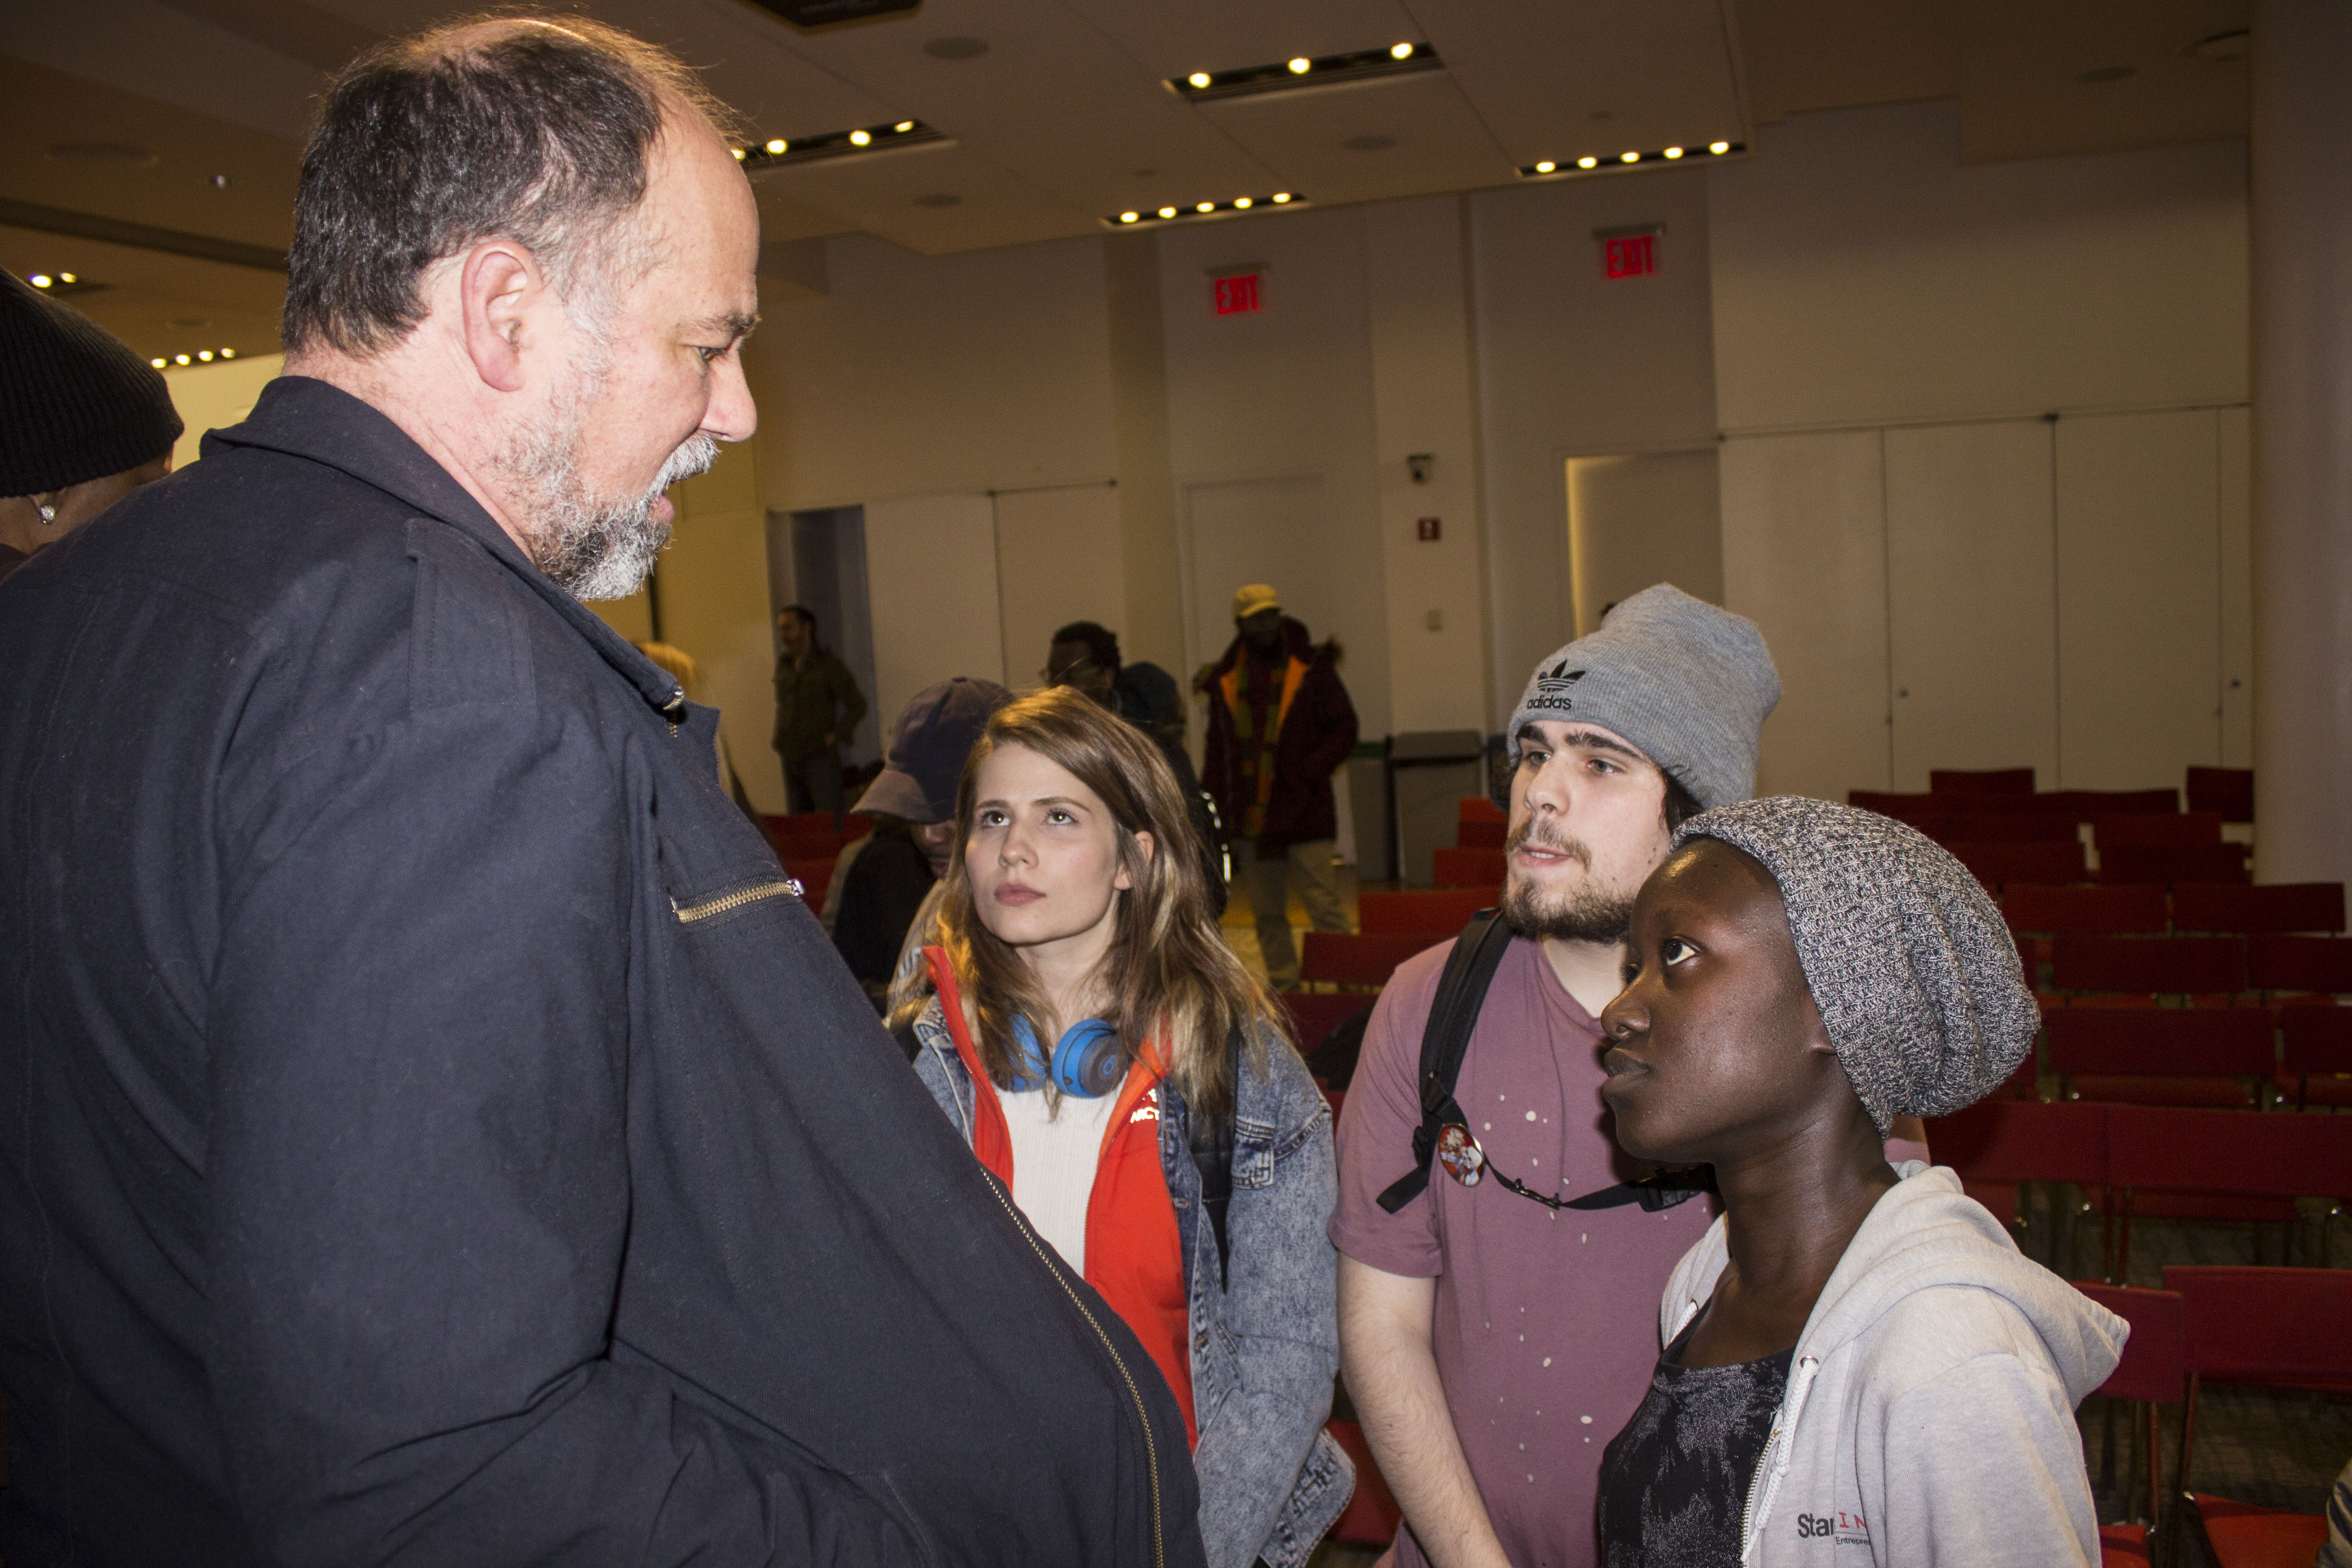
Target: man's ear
{"points": [[497, 287]]}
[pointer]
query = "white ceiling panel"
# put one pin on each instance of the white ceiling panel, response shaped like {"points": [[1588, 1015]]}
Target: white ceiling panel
{"points": [[896, 196], [1577, 77], [1149, 152], [1437, 143], [2096, 76], [139, 47], [1042, 62], [1172, 40], [781, 217]]}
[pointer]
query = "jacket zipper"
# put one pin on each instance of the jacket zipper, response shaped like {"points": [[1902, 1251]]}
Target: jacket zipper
{"points": [[726, 902], [1143, 1413]]}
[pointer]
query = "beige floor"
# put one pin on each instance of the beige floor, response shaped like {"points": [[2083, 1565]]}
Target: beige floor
{"points": [[1241, 930]]}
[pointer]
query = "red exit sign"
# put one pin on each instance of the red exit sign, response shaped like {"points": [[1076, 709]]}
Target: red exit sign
{"points": [[1630, 252], [1236, 294]]}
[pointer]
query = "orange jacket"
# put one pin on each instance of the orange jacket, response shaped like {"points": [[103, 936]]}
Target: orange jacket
{"points": [[1135, 1258]]}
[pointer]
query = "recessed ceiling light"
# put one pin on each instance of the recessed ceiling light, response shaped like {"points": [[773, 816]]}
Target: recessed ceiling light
{"points": [[1241, 202], [159, 363], [1199, 78], [180, 359], [1719, 146], [1128, 217], [1588, 163], [66, 277], [903, 127], [956, 48], [40, 279], [1300, 66], [739, 153], [1167, 212], [777, 144], [860, 138], [222, 182], [1673, 152], [205, 355], [1280, 198], [1401, 51], [228, 354], [1629, 157], [1206, 207], [1546, 167]]}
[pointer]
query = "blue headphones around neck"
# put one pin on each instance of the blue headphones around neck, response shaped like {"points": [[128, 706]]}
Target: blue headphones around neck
{"points": [[1085, 1060]]}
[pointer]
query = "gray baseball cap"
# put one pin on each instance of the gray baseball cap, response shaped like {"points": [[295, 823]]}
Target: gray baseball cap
{"points": [[936, 731], [1689, 682]]}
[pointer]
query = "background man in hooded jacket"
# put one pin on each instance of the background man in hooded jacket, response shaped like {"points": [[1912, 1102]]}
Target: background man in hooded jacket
{"points": [[1279, 726]]}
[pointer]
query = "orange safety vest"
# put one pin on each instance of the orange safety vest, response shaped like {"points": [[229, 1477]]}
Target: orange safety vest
{"points": [[1135, 1255], [1293, 676]]}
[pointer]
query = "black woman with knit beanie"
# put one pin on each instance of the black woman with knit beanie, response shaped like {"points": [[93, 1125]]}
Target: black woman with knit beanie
{"points": [[83, 421]]}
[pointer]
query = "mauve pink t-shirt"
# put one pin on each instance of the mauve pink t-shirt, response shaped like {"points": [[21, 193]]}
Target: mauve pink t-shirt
{"points": [[1547, 1320]]}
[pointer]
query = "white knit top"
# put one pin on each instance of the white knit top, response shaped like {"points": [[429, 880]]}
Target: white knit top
{"points": [[1054, 1160]]}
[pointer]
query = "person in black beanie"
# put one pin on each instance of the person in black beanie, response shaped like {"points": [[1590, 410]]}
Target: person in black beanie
{"points": [[83, 421]]}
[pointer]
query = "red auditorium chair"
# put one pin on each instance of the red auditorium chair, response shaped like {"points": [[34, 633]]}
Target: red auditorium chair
{"points": [[1440, 912], [1902, 807], [1338, 958], [1468, 867], [2270, 908], [2150, 827], [1315, 1013], [2174, 863], [2267, 1328], [1980, 781], [2172, 1055], [2227, 1165], [2315, 1057], [1975, 827], [2154, 1370], [1481, 834], [1372, 1514], [1478, 808], [813, 876], [2299, 962], [2073, 804], [2110, 909], [1998, 1145], [2229, 790], [809, 836], [1997, 864], [2160, 965]]}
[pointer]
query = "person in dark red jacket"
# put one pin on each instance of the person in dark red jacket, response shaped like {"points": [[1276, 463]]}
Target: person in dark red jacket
{"points": [[1279, 726]]}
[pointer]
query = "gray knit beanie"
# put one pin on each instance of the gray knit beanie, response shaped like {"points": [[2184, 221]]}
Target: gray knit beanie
{"points": [[1914, 974], [1687, 682], [76, 404]]}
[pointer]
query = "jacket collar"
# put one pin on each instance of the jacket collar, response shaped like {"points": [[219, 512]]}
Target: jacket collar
{"points": [[310, 419]]}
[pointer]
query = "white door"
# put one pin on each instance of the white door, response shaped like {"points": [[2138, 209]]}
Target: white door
{"points": [[1804, 557], [2139, 634], [1972, 600], [930, 570]]}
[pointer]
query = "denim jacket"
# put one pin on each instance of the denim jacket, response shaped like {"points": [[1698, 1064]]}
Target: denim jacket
{"points": [[1265, 1341]]}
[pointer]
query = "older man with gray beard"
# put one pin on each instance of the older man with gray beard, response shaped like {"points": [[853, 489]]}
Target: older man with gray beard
{"points": [[434, 1131]]}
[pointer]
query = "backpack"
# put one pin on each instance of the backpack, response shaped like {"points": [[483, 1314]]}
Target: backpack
{"points": [[1446, 1040]]}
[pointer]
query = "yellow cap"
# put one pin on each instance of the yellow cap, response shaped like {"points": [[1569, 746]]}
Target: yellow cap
{"points": [[1257, 596]]}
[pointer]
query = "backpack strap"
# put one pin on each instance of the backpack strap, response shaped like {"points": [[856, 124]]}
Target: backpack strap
{"points": [[1213, 1153], [1446, 1040]]}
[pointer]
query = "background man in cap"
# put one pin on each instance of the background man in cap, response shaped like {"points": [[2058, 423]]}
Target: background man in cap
{"points": [[1493, 1343], [912, 802], [430, 1129], [1279, 725], [83, 421]]}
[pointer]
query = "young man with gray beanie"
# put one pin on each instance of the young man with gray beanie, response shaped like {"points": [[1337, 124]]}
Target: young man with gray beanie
{"points": [[1493, 1336]]}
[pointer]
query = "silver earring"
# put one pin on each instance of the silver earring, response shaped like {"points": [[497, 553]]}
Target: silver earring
{"points": [[48, 513]]}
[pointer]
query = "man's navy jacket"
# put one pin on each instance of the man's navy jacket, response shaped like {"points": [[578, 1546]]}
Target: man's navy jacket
{"points": [[433, 1133]]}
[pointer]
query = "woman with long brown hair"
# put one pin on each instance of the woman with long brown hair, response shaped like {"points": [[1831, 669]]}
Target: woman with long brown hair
{"points": [[1079, 1018]]}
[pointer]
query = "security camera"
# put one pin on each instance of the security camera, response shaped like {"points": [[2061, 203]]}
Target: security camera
{"points": [[1418, 466]]}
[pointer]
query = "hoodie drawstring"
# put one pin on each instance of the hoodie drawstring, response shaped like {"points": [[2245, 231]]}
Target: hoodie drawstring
{"points": [[1777, 1448]]}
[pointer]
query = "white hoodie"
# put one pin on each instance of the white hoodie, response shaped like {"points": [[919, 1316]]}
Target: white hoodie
{"points": [[1929, 1416]]}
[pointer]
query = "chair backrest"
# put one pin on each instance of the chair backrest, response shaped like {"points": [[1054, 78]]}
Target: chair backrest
{"points": [[2299, 962], [2265, 1324], [2015, 827], [1902, 807], [2316, 1039], [1980, 781], [2211, 1041], [2150, 828], [2155, 1364], [1480, 834], [1468, 867], [1478, 808], [2037, 907], [2246, 1152], [1440, 912], [1997, 864], [2023, 1141], [2166, 965], [2174, 863], [2272, 907], [1338, 958], [2229, 790]]}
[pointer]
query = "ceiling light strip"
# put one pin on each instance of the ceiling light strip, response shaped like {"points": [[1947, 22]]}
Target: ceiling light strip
{"points": [[1600, 162], [778, 152], [1302, 70], [1153, 218]]}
